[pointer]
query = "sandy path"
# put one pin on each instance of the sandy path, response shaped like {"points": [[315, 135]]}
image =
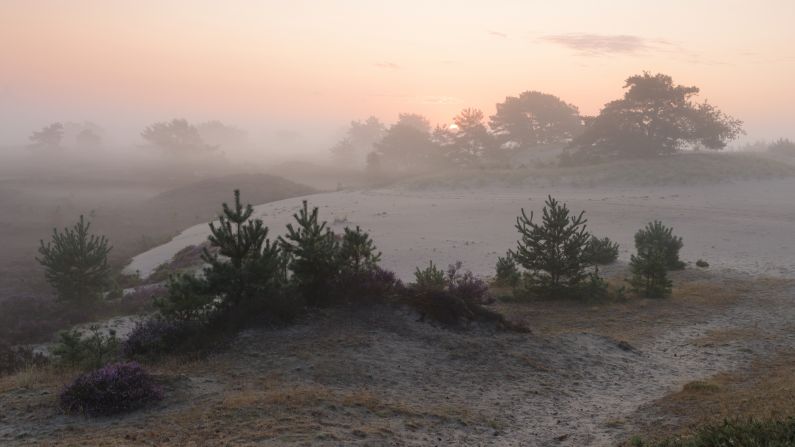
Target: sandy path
{"points": [[748, 226]]}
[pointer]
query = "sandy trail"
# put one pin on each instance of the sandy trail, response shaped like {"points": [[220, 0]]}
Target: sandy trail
{"points": [[747, 226]]}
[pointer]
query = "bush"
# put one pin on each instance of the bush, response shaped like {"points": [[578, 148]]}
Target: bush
{"points": [[702, 264], [76, 263], [507, 272], [369, 286], [452, 298], [112, 389], [465, 285], [601, 251], [93, 351], [659, 238], [429, 278], [769, 433], [554, 252], [153, 338]]}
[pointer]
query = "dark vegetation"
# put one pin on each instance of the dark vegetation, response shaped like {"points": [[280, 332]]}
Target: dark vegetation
{"points": [[654, 118], [113, 389], [657, 253], [76, 263], [769, 433]]}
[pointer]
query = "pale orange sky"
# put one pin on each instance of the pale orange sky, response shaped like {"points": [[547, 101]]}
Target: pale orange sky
{"points": [[312, 66]]}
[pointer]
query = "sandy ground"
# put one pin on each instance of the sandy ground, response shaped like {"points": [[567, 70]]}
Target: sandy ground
{"points": [[745, 226], [379, 377]]}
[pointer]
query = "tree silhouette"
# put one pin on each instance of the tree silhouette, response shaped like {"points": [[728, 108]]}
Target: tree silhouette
{"points": [[177, 136], [533, 119], [655, 117], [359, 140], [48, 137], [469, 141], [407, 145]]}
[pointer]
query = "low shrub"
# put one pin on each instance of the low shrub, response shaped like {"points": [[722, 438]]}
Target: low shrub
{"points": [[429, 278], [78, 351], [153, 338], [702, 264], [368, 286], [601, 251], [453, 298], [113, 389], [769, 433], [13, 359], [507, 271]]}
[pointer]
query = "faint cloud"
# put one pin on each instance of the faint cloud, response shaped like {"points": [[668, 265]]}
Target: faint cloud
{"points": [[387, 65], [497, 34], [599, 44]]}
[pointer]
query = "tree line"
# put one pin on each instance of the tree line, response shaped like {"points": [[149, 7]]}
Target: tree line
{"points": [[655, 117]]}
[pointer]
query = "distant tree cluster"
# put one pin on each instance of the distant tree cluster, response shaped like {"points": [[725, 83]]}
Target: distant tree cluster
{"points": [[654, 118]]}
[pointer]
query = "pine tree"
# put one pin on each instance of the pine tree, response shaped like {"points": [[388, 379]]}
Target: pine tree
{"points": [[554, 251], [249, 264], [357, 252], [312, 251], [243, 276], [649, 273], [660, 238], [76, 263]]}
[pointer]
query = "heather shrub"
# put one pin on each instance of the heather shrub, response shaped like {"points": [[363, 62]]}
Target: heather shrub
{"points": [[113, 389], [658, 238], [429, 278], [465, 285], [91, 351], [452, 298], [507, 272], [601, 251]]}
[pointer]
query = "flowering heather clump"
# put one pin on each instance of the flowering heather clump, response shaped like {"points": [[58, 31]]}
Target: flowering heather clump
{"points": [[151, 338], [112, 389], [373, 285]]}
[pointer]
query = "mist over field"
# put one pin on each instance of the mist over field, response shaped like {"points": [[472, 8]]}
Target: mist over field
{"points": [[348, 223]]}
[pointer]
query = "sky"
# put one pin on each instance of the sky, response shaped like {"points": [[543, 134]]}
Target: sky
{"points": [[312, 66]]}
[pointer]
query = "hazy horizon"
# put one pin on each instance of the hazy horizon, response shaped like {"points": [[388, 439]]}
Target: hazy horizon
{"points": [[310, 68]]}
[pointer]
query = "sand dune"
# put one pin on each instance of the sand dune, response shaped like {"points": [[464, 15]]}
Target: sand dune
{"points": [[746, 226]]}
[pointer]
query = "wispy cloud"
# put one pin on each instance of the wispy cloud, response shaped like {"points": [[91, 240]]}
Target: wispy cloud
{"points": [[600, 44], [497, 34], [387, 65]]}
